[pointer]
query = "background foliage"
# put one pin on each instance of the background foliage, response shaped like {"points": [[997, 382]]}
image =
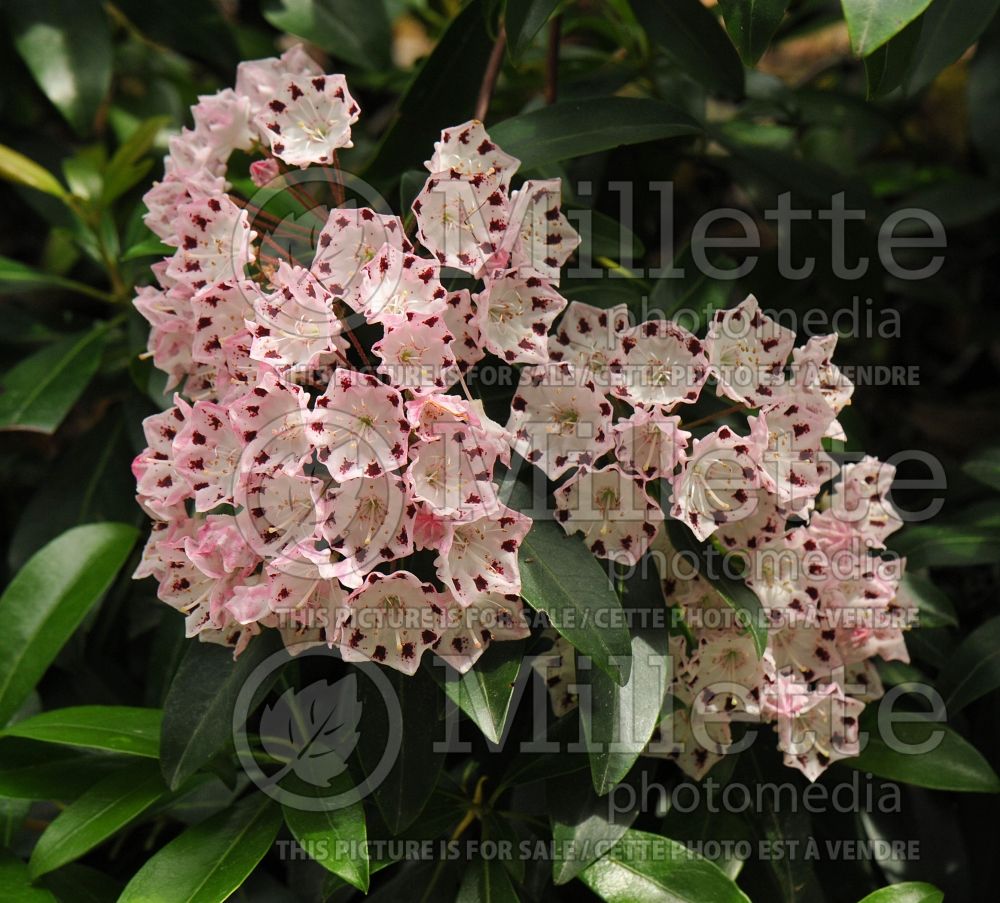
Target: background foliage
{"points": [[114, 768]]}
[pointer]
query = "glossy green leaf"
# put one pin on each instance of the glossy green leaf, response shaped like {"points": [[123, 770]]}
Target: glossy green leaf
{"points": [[524, 19], [208, 862], [751, 25], [115, 728], [934, 608], [952, 764], [906, 892], [101, 811], [871, 23], [132, 160], [621, 719], [19, 277], [353, 30], [82, 884], [575, 128], [39, 771], [67, 46], [17, 168], [644, 868], [198, 710], [693, 37], [931, 545], [15, 882], [322, 831], [486, 881], [37, 393], [973, 670], [950, 27], [561, 577], [887, 67], [48, 598]]}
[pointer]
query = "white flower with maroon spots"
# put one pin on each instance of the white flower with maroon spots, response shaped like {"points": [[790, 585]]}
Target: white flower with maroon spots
{"points": [[396, 283], [514, 316], [480, 557], [559, 419], [222, 122], [590, 338], [763, 522], [207, 452], [695, 747], [391, 620], [467, 150], [557, 667], [463, 323], [416, 353], [219, 311], [650, 443], [727, 673], [358, 427], [161, 488], [308, 119], [862, 498], [747, 352], [213, 243], [793, 463], [366, 522], [437, 415], [348, 242], [469, 630], [278, 516], [295, 326], [715, 484], [813, 368], [167, 195], [462, 220], [453, 474], [539, 237], [616, 516], [260, 80], [271, 419], [664, 365]]}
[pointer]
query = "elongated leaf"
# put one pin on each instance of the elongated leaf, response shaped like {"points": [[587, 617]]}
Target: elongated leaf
{"points": [[950, 27], [485, 692], [973, 670], [576, 128], [945, 546], [887, 67], [115, 728], [208, 862], [131, 161], [906, 892], [38, 771], [335, 838], [486, 881], [48, 598], [198, 710], [751, 25], [100, 812], [353, 30], [870, 23], [19, 277], [690, 34], [644, 868], [621, 720], [561, 577], [82, 884], [448, 81], [67, 46], [933, 605], [524, 19], [985, 467], [38, 393], [15, 882], [953, 763], [15, 167]]}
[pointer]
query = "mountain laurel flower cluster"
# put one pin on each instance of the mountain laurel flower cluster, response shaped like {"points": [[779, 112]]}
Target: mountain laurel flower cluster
{"points": [[297, 485]]}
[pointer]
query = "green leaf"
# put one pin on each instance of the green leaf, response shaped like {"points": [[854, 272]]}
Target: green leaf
{"points": [[208, 862], [692, 36], [40, 390], [19, 277], [115, 728], [620, 719], [561, 577], [751, 25], [15, 882], [320, 832], [973, 670], [486, 881], [984, 97], [953, 764], [644, 868], [950, 27], [576, 128], [67, 46], [933, 605], [198, 710], [485, 692], [152, 247], [82, 884], [985, 467], [17, 168], [870, 23], [47, 600], [524, 19], [100, 812], [906, 892], [887, 67], [37, 771], [130, 162], [353, 30], [448, 81], [932, 545], [402, 795], [735, 593]]}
